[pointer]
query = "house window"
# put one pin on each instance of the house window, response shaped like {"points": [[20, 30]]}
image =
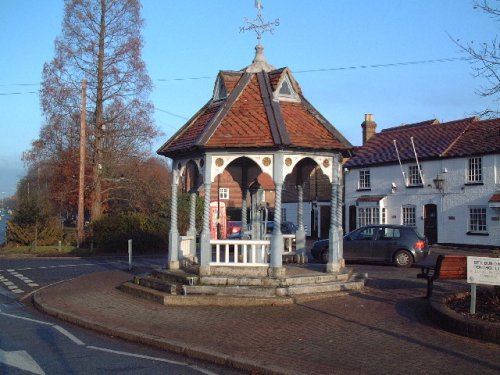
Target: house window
{"points": [[383, 219], [223, 193], [409, 216], [368, 215], [364, 179], [414, 178], [474, 170], [477, 219]]}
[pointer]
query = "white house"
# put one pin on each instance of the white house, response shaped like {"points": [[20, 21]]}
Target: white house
{"points": [[443, 178]]}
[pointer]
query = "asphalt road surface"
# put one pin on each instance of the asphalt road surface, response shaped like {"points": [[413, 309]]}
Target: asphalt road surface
{"points": [[32, 343]]}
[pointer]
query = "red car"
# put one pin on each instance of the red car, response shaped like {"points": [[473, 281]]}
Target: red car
{"points": [[233, 227]]}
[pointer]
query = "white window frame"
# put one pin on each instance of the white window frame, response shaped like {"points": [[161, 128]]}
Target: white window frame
{"points": [[474, 170], [223, 193], [414, 178], [409, 215], [477, 220], [368, 215], [364, 179]]}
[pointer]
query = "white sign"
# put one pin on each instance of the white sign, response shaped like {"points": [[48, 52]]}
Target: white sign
{"points": [[482, 270]]}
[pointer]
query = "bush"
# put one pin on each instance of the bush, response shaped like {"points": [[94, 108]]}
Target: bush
{"points": [[111, 233], [47, 234]]}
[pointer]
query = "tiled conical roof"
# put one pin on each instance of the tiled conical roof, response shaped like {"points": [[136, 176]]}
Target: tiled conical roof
{"points": [[247, 111]]}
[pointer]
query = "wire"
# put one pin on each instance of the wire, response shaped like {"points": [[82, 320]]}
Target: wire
{"points": [[171, 113], [373, 66], [448, 59]]}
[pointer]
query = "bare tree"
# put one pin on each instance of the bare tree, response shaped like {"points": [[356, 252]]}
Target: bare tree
{"points": [[100, 42], [485, 58]]}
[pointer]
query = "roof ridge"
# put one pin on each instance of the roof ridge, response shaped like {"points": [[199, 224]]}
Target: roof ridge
{"points": [[211, 127], [273, 111], [186, 126], [431, 122], [471, 120]]}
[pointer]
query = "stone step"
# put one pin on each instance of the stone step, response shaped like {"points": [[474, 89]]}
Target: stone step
{"points": [[201, 300], [297, 290], [158, 284], [176, 276], [274, 282]]}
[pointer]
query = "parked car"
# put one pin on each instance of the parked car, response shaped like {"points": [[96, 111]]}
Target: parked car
{"points": [[287, 227], [398, 244], [233, 227]]}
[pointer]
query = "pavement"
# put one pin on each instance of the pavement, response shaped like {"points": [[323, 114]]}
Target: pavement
{"points": [[385, 329]]}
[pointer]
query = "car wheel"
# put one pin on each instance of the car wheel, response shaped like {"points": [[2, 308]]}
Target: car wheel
{"points": [[324, 256], [403, 258]]}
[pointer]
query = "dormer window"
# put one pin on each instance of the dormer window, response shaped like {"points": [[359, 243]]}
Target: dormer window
{"points": [[286, 90], [220, 91]]}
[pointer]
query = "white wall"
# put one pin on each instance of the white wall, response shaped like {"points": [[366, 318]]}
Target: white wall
{"points": [[453, 204]]}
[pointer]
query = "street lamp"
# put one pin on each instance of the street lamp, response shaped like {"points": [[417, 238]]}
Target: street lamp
{"points": [[439, 183]]}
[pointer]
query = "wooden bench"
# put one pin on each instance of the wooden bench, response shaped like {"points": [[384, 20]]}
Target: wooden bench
{"points": [[444, 267]]}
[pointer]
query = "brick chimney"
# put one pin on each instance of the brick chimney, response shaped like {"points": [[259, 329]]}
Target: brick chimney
{"points": [[369, 127]]}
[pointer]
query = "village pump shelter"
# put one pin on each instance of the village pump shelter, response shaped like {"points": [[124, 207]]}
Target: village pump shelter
{"points": [[256, 123]]}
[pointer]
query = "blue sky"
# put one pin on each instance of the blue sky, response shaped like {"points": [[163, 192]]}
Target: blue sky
{"points": [[197, 38]]}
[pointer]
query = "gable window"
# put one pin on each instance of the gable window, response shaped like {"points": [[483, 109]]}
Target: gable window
{"points": [[286, 90], [474, 170], [409, 216], [223, 193], [414, 178], [477, 220], [364, 179], [220, 91]]}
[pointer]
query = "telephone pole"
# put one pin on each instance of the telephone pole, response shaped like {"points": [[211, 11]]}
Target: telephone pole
{"points": [[81, 186]]}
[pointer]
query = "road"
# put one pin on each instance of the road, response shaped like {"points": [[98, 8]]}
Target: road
{"points": [[32, 343]]}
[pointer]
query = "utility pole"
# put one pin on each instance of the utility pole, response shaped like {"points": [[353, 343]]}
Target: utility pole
{"points": [[81, 186]]}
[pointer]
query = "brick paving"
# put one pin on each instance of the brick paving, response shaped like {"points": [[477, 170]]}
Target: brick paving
{"points": [[385, 329]]}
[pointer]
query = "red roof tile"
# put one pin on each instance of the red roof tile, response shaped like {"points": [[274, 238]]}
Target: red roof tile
{"points": [[249, 117], [432, 140]]}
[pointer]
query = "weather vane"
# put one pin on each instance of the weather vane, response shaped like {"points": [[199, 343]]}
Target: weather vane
{"points": [[258, 25]]}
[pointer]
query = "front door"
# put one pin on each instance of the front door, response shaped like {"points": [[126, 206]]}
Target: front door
{"points": [[352, 218], [430, 223]]}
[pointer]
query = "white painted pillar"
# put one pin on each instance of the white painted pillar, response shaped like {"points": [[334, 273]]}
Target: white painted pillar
{"points": [[300, 235], [192, 222], [173, 237], [277, 237], [335, 261], [206, 249], [244, 219]]}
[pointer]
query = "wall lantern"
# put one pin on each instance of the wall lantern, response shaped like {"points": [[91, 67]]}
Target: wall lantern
{"points": [[439, 183]]}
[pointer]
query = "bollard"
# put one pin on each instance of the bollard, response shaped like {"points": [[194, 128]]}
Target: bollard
{"points": [[60, 246], [129, 255], [472, 298]]}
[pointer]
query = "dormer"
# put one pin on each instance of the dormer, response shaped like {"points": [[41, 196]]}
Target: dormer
{"points": [[286, 90], [220, 91]]}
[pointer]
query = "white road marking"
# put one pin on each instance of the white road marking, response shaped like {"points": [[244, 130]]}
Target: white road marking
{"points": [[69, 335], [128, 354], [33, 366], [21, 360], [27, 319]]}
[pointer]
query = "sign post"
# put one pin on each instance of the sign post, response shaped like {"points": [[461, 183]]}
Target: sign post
{"points": [[481, 270]]}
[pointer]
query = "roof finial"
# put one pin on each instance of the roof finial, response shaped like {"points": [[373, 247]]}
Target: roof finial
{"points": [[258, 25]]}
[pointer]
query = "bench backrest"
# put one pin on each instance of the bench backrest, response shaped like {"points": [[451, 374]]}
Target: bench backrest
{"points": [[451, 267]]}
